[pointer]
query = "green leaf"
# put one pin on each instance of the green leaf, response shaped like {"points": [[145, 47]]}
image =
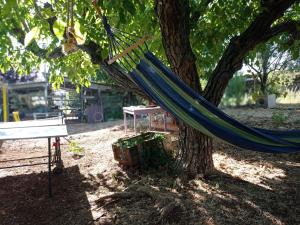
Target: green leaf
{"points": [[295, 55], [9, 5], [46, 12], [87, 83], [59, 28], [129, 6], [104, 53], [34, 33], [80, 38]]}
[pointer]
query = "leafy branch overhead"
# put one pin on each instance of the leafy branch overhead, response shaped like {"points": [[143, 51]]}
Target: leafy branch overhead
{"points": [[212, 38]]}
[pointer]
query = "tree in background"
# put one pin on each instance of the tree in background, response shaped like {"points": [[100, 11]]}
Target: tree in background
{"points": [[268, 63], [236, 91], [220, 33]]}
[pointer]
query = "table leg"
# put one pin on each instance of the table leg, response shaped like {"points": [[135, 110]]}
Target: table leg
{"points": [[134, 120], [57, 160], [125, 122], [49, 168]]}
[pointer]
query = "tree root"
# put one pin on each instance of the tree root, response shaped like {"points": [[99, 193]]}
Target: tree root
{"points": [[167, 204]]}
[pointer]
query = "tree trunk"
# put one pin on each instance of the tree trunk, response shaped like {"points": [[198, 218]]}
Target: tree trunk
{"points": [[263, 85], [195, 152], [263, 88], [195, 148]]}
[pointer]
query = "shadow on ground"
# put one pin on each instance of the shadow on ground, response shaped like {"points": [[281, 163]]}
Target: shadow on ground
{"points": [[218, 199], [25, 201]]}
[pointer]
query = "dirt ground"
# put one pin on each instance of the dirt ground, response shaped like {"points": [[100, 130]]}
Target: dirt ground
{"points": [[249, 187]]}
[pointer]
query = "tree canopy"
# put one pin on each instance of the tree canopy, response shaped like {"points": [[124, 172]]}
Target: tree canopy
{"points": [[34, 30]]}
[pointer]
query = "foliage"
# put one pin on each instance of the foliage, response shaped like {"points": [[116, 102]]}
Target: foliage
{"points": [[133, 141], [235, 92], [75, 148], [213, 30], [103, 78], [279, 118], [257, 95], [26, 40], [153, 155], [268, 66], [130, 142], [279, 84]]}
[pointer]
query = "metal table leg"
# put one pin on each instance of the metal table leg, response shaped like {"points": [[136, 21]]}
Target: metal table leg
{"points": [[49, 168], [57, 157]]}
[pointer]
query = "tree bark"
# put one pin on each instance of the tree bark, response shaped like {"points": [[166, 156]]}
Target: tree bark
{"points": [[195, 149], [195, 152]]}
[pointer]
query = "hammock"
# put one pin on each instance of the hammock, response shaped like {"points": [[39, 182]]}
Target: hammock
{"points": [[172, 94]]}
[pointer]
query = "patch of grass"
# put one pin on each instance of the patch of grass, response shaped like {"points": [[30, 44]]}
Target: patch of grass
{"points": [[279, 118], [75, 148]]}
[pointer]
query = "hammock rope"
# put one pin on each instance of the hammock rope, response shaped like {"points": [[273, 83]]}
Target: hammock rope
{"points": [[124, 47]]}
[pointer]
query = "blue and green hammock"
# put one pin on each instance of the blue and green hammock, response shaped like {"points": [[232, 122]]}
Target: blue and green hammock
{"points": [[172, 94]]}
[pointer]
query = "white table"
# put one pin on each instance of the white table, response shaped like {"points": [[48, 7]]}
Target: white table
{"points": [[142, 110], [54, 128]]}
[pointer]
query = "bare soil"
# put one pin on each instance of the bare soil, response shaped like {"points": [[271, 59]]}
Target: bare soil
{"points": [[248, 188]]}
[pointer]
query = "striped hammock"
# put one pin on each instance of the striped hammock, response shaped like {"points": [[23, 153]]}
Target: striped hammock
{"points": [[172, 94]]}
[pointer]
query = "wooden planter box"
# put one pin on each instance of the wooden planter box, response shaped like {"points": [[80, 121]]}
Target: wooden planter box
{"points": [[131, 155], [126, 156]]}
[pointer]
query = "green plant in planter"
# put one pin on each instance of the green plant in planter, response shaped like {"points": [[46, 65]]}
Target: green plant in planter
{"points": [[153, 157], [153, 154], [150, 147], [131, 142], [159, 137]]}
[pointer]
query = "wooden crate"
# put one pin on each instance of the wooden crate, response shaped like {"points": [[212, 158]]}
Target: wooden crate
{"points": [[126, 156], [131, 156]]}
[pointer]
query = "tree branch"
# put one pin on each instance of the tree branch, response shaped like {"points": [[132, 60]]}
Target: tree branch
{"points": [[290, 27], [259, 31], [253, 68]]}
